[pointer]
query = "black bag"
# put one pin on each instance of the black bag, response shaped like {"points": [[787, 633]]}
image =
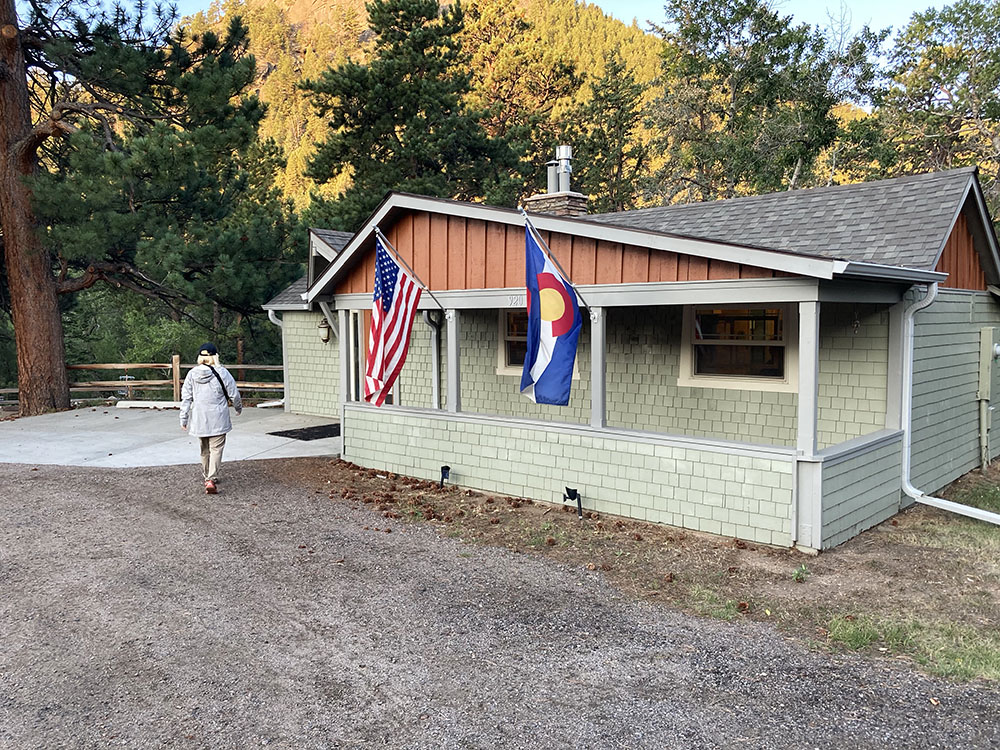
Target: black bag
{"points": [[229, 401]]}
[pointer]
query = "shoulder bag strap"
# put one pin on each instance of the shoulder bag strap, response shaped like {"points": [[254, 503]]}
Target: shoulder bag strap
{"points": [[219, 378]]}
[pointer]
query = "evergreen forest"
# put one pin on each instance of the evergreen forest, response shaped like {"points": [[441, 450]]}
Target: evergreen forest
{"points": [[159, 173]]}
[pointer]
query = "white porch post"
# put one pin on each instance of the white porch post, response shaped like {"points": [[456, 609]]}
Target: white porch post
{"points": [[344, 351], [454, 397], [598, 389], [344, 344], [894, 376], [359, 355], [809, 472], [808, 376]]}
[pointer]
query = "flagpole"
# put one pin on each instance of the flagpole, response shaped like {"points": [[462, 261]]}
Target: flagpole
{"points": [[385, 240], [548, 252]]}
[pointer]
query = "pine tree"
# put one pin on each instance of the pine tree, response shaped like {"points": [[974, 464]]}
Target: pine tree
{"points": [[399, 123], [748, 105], [124, 154], [610, 161], [942, 107]]}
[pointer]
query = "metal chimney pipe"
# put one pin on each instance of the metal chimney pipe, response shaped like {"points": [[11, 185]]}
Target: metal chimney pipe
{"points": [[564, 157], [552, 177]]}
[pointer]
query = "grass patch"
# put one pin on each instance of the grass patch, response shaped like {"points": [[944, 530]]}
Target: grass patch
{"points": [[946, 649], [708, 603], [958, 533], [985, 496]]}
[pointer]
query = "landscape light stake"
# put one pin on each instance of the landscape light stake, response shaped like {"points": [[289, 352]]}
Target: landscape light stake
{"points": [[572, 494], [445, 473]]}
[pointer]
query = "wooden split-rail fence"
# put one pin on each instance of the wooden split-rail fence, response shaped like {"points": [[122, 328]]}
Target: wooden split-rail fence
{"points": [[125, 385]]}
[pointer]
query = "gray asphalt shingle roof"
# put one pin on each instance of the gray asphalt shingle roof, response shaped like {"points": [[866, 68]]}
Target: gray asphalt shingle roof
{"points": [[290, 298], [898, 222], [336, 240]]}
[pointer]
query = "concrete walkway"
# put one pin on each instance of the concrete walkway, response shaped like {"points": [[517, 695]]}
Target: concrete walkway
{"points": [[125, 438]]}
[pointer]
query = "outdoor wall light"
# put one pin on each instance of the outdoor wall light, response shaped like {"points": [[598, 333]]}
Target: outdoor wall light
{"points": [[445, 473], [324, 330], [572, 494]]}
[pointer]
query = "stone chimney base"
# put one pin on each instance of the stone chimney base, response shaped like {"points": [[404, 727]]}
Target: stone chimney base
{"points": [[558, 204]]}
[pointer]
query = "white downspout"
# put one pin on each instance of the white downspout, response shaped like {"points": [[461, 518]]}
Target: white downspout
{"points": [[435, 359], [907, 420], [284, 369]]}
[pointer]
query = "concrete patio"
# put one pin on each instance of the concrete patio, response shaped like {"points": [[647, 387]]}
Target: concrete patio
{"points": [[124, 438]]}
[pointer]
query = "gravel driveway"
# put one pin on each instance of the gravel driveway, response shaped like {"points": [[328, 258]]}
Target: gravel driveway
{"points": [[137, 612]]}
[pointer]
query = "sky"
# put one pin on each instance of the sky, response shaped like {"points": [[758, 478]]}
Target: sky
{"points": [[877, 13]]}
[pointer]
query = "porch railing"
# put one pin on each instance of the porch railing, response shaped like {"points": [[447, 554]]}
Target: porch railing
{"points": [[126, 385]]}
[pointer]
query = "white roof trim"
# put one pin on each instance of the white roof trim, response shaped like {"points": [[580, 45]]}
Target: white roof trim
{"points": [[321, 246], [984, 217], [889, 273], [951, 224], [821, 268], [750, 291], [800, 265]]}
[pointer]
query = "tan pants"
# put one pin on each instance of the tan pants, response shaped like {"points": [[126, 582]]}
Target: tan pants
{"points": [[211, 455]]}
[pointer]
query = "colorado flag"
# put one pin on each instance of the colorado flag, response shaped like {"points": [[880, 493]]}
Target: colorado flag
{"points": [[553, 329]]}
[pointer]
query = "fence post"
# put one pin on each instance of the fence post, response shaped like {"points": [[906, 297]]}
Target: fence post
{"points": [[175, 366]]}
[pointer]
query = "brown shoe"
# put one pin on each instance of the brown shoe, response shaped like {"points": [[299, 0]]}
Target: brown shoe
{"points": [[210, 488]]}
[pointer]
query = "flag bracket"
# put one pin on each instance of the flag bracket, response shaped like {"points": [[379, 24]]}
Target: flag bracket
{"points": [[548, 252], [395, 252]]}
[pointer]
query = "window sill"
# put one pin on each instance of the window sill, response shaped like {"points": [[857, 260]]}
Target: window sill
{"points": [[735, 383]]}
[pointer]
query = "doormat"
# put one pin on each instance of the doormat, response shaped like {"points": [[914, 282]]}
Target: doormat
{"points": [[310, 433]]}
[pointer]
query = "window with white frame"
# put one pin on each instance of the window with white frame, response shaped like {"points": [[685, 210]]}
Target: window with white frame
{"points": [[513, 340], [749, 348]]}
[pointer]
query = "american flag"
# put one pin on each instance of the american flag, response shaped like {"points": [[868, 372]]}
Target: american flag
{"points": [[394, 306]]}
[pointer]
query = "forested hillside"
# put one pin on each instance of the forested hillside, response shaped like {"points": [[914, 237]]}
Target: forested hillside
{"points": [[159, 172], [537, 57]]}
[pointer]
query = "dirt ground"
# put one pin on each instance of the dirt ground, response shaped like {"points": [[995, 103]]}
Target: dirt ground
{"points": [[923, 587], [288, 612]]}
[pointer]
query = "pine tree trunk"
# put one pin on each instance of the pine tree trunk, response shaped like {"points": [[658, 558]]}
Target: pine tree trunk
{"points": [[41, 367]]}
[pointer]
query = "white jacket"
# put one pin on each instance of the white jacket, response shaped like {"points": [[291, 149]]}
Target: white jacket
{"points": [[204, 410]]}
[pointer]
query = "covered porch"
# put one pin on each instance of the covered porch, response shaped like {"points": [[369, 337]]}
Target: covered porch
{"points": [[804, 458]]}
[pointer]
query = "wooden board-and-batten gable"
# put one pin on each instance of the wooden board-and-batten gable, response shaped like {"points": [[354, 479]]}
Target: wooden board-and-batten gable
{"points": [[960, 259], [970, 254], [453, 252]]}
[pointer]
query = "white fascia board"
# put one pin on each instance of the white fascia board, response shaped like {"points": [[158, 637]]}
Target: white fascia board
{"points": [[319, 246], [984, 216], [951, 224], [728, 292], [820, 268], [974, 189], [352, 247], [881, 272], [287, 307]]}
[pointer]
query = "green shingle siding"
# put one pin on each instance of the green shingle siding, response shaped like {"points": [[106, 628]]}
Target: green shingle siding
{"points": [[853, 367], [945, 382], [860, 491], [312, 366], [704, 489]]}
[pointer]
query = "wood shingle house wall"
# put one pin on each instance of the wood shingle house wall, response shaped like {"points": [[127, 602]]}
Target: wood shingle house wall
{"points": [[743, 368]]}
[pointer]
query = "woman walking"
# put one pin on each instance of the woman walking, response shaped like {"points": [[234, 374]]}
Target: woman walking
{"points": [[209, 390]]}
